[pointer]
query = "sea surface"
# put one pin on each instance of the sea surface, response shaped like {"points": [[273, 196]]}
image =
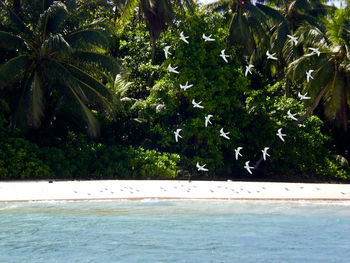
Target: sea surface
{"points": [[175, 231]]}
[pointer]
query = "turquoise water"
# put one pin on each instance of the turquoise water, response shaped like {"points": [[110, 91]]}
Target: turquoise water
{"points": [[182, 231]]}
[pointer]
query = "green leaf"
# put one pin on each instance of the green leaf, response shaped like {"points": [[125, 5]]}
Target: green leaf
{"points": [[86, 37], [11, 42], [11, 69], [105, 62], [52, 18]]}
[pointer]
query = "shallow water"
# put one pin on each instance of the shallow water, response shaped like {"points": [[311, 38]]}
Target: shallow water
{"points": [[179, 231]]}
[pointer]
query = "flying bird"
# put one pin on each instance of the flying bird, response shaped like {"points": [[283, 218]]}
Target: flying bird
{"points": [[280, 134], [248, 68], [171, 69], [224, 134], [303, 97], [201, 168], [265, 152], [166, 52], [237, 152], [308, 75], [315, 51], [186, 86], [197, 105], [177, 134], [207, 120], [224, 56], [207, 38], [270, 56], [291, 116], [292, 39], [183, 38], [247, 167]]}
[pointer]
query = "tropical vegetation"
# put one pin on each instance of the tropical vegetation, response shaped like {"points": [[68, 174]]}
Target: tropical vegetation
{"points": [[85, 90]]}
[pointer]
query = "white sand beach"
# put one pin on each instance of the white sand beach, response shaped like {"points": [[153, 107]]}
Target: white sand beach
{"points": [[148, 189]]}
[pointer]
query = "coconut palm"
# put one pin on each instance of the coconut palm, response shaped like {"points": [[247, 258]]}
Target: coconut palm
{"points": [[331, 76], [55, 65], [157, 14]]}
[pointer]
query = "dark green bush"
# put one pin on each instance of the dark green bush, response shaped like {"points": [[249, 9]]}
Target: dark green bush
{"points": [[79, 158]]}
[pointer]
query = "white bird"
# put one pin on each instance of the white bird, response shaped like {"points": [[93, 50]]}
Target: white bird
{"points": [[186, 86], [237, 152], [171, 69], [291, 116], [207, 38], [308, 75], [224, 56], [166, 52], [201, 168], [292, 39], [207, 120], [265, 152], [270, 56], [246, 166], [183, 38], [197, 105], [177, 134], [159, 107], [280, 134], [224, 134], [303, 97], [315, 50], [248, 68]]}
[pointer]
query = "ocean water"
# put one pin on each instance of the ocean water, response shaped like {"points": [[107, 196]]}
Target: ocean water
{"points": [[175, 231]]}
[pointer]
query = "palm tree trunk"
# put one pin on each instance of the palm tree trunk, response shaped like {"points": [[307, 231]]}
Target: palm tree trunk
{"points": [[287, 88], [314, 105], [153, 49]]}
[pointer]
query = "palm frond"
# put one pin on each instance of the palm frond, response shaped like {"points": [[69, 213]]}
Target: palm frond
{"points": [[94, 87], [280, 36], [87, 37], [52, 18], [129, 9], [12, 68], [62, 76], [322, 77], [11, 42], [16, 23], [82, 110], [105, 62], [55, 44]]}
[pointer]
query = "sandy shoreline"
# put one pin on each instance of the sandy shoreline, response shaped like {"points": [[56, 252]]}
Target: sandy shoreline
{"points": [[149, 189]]}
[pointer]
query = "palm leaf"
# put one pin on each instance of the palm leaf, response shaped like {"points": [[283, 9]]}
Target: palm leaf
{"points": [[11, 69], [52, 18], [94, 87], [81, 109], [55, 44], [104, 62], [322, 76], [86, 37], [11, 42], [16, 23], [129, 9]]}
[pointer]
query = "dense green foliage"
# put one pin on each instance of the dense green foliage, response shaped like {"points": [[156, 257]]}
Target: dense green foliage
{"points": [[138, 110], [79, 158]]}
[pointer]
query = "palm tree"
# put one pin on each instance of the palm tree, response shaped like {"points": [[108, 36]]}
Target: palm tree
{"points": [[55, 65], [331, 76], [157, 14]]}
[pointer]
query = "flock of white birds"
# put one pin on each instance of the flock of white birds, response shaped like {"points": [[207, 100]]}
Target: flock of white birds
{"points": [[225, 135]]}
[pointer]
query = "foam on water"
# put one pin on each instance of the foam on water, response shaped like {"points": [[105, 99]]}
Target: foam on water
{"points": [[169, 231]]}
